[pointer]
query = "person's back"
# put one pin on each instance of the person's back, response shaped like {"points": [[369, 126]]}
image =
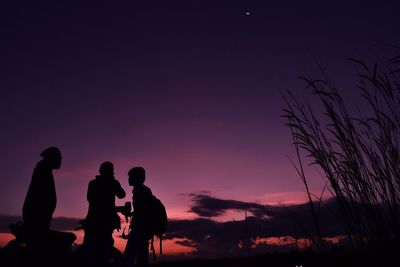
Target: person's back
{"points": [[101, 197], [41, 200], [141, 197]]}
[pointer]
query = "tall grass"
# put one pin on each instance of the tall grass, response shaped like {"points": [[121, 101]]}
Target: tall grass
{"points": [[358, 154]]}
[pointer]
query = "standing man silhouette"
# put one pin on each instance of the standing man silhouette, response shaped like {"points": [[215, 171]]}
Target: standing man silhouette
{"points": [[38, 209], [137, 247], [102, 218]]}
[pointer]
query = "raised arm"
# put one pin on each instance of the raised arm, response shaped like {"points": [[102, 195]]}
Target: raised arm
{"points": [[118, 190]]}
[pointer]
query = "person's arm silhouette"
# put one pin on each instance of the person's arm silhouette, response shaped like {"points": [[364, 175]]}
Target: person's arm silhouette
{"points": [[119, 191]]}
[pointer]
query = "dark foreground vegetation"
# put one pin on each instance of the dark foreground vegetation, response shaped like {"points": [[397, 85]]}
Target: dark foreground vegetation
{"points": [[356, 145]]}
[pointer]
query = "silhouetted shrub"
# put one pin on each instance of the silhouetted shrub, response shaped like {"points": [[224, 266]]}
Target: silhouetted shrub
{"points": [[358, 153]]}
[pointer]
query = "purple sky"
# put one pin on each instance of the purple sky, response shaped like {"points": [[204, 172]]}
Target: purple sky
{"points": [[190, 90]]}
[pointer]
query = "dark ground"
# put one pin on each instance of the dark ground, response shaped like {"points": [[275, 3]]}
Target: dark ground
{"points": [[307, 259], [293, 259]]}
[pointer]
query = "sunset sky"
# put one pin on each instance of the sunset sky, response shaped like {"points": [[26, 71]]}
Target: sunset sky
{"points": [[190, 90]]}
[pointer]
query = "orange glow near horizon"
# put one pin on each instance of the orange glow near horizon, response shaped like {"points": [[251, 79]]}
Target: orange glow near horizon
{"points": [[281, 241], [291, 241], [170, 247], [5, 238], [180, 214]]}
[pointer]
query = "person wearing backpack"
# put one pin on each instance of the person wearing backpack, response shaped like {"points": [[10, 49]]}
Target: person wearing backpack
{"points": [[145, 219]]}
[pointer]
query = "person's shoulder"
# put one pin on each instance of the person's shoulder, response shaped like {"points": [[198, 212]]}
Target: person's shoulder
{"points": [[116, 184], [147, 190], [41, 167], [143, 189]]}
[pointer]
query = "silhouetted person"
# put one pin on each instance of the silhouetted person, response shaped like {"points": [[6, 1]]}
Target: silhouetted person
{"points": [[102, 218], [38, 209], [137, 247]]}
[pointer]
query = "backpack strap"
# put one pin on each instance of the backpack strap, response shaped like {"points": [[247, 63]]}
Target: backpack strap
{"points": [[152, 247], [160, 244]]}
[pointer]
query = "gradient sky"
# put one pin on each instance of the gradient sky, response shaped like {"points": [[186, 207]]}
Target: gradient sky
{"points": [[190, 90]]}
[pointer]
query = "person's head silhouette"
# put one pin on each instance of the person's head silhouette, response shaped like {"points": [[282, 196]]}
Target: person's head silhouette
{"points": [[52, 156], [106, 169], [137, 176]]}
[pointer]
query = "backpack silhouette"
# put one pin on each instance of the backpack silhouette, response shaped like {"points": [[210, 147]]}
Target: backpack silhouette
{"points": [[158, 221]]}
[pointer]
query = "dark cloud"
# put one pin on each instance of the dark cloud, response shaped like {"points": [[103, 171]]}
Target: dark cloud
{"points": [[227, 238], [186, 243], [293, 220], [5, 220], [65, 224], [207, 206], [58, 223], [211, 238]]}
